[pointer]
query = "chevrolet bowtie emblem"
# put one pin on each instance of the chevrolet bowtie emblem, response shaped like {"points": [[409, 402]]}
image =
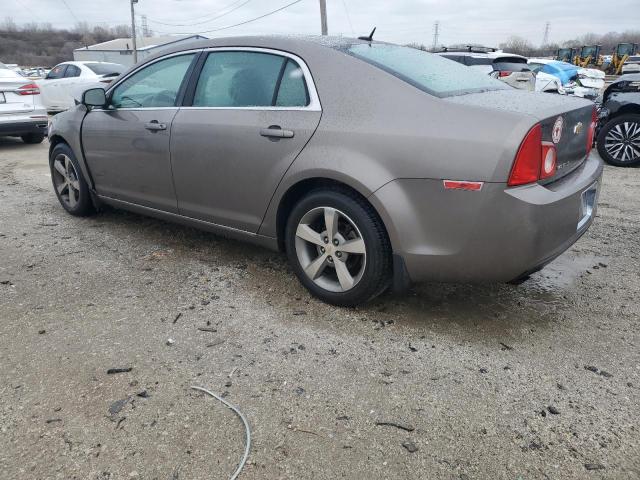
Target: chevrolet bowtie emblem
{"points": [[577, 128]]}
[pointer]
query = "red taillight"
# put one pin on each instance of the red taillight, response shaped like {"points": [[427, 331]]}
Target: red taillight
{"points": [[592, 130], [526, 167], [548, 166], [29, 89], [504, 73]]}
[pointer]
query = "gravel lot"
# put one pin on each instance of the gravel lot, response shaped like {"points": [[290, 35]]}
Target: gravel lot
{"points": [[540, 380]]}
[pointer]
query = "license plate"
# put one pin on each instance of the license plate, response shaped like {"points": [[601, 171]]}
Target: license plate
{"points": [[588, 202], [2, 98]]}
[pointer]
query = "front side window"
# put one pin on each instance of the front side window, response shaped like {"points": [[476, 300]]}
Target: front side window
{"points": [[428, 72], [250, 79], [154, 86]]}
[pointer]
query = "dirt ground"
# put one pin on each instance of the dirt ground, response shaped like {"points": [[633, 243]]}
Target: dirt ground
{"points": [[540, 380]]}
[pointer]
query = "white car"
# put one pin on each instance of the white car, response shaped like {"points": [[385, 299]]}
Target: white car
{"points": [[509, 68], [631, 65], [21, 112], [569, 79], [60, 86]]}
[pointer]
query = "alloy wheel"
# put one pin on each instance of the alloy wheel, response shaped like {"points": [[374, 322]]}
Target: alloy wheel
{"points": [[65, 180], [330, 249], [622, 141]]}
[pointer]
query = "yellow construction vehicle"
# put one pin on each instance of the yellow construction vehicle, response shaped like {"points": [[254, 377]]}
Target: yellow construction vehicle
{"points": [[589, 55], [620, 55], [565, 55]]}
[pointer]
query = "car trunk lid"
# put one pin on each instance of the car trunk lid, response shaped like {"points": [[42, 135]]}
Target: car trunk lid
{"points": [[568, 131], [546, 109], [12, 102]]}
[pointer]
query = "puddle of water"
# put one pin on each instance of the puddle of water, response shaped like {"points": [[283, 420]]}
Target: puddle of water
{"points": [[563, 272]]}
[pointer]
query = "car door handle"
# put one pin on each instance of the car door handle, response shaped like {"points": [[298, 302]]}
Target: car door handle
{"points": [[274, 131], [154, 126]]}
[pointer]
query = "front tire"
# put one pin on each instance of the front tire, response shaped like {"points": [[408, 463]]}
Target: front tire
{"points": [[619, 141], [32, 138], [338, 247], [68, 182]]}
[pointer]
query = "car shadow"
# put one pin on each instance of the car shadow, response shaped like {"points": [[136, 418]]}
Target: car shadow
{"points": [[495, 309]]}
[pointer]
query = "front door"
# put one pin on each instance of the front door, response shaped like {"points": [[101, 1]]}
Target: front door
{"points": [[250, 115], [127, 143]]}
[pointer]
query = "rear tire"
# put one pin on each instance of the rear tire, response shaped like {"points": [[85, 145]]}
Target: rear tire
{"points": [[69, 183], [619, 141], [341, 234], [32, 138]]}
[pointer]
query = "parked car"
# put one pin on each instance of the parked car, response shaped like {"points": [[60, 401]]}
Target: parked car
{"points": [[59, 86], [21, 112], [631, 65], [510, 68], [369, 164], [619, 125], [573, 80]]}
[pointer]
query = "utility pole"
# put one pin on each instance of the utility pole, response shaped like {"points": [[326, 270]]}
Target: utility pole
{"points": [[545, 39], [436, 33], [323, 17], [133, 32]]}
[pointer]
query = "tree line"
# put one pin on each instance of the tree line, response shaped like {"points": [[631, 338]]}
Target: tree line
{"points": [[45, 46]]}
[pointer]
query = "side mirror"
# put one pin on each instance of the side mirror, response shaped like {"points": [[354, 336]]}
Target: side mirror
{"points": [[94, 97]]}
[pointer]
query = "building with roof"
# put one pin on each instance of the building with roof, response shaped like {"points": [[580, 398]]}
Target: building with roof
{"points": [[120, 50]]}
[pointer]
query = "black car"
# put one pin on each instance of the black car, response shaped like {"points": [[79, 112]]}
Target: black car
{"points": [[619, 123]]}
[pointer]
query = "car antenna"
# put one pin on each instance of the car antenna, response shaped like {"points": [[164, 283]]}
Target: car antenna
{"points": [[370, 37]]}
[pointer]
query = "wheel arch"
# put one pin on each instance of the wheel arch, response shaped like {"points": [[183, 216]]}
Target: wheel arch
{"points": [[631, 108], [299, 189]]}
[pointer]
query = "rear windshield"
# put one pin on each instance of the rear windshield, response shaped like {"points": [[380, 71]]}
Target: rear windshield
{"points": [[431, 73], [511, 67], [105, 68]]}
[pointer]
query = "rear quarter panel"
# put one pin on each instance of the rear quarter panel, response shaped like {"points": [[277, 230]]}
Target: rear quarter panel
{"points": [[376, 128]]}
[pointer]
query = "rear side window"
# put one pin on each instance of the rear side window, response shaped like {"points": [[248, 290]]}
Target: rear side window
{"points": [[293, 89], [431, 73], [154, 86], [57, 72], [72, 71], [250, 79]]}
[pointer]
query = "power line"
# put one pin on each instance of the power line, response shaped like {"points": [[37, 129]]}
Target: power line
{"points": [[236, 24], [344, 2], [71, 11], [236, 7]]}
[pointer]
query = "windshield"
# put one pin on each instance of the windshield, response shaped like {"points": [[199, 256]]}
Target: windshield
{"points": [[105, 68], [430, 73]]}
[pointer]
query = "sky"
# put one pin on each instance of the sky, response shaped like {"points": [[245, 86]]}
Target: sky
{"points": [[486, 22]]}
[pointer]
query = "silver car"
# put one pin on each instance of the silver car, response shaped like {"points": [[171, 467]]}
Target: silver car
{"points": [[370, 164], [21, 111]]}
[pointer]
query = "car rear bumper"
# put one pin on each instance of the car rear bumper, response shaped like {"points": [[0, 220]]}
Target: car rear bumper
{"points": [[22, 124], [495, 234]]}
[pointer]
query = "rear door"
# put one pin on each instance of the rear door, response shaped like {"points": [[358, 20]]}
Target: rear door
{"points": [[66, 85], [127, 144], [50, 87], [246, 118]]}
